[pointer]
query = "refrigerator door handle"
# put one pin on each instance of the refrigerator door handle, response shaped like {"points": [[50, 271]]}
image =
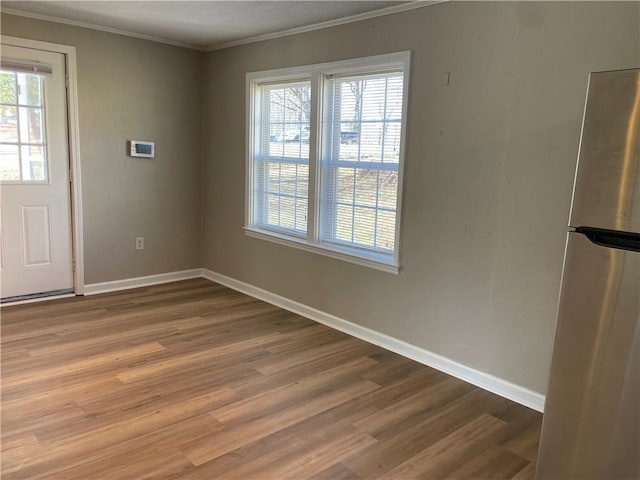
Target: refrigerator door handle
{"points": [[611, 238]]}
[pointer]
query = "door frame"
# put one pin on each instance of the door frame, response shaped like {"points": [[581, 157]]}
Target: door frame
{"points": [[77, 242]]}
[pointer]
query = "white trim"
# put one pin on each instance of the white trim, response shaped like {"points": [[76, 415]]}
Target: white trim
{"points": [[100, 28], [323, 249], [329, 23], [127, 283], [480, 379], [371, 63], [401, 159], [73, 124], [258, 38], [76, 172]]}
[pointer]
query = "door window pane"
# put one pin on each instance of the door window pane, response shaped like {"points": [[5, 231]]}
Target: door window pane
{"points": [[9, 163], [8, 87], [31, 125], [8, 124], [33, 164], [29, 89]]}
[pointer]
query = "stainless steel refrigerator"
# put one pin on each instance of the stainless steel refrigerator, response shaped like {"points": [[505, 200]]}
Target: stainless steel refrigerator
{"points": [[591, 421]]}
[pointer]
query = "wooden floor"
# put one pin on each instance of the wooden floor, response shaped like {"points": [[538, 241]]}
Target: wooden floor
{"points": [[192, 380]]}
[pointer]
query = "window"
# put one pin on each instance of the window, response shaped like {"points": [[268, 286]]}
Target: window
{"points": [[22, 128], [282, 158], [324, 157]]}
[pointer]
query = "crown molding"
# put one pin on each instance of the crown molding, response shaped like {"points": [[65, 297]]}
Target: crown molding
{"points": [[101, 28], [329, 23]]}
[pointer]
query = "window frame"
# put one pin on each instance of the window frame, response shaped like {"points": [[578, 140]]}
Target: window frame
{"points": [[318, 145]]}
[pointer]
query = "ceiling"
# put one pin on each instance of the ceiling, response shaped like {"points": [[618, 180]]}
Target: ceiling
{"points": [[205, 25]]}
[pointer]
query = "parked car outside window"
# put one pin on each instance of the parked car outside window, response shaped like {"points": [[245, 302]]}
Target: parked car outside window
{"points": [[349, 138]]}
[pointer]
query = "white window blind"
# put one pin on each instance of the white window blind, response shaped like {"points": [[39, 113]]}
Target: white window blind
{"points": [[360, 167], [282, 171]]}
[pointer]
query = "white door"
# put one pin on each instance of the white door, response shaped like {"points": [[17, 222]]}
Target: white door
{"points": [[35, 236]]}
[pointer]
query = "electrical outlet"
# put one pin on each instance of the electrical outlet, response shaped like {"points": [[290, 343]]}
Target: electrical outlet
{"points": [[139, 243]]}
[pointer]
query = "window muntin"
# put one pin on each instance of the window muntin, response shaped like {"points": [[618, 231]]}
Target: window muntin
{"points": [[349, 178], [282, 163], [22, 128], [360, 170]]}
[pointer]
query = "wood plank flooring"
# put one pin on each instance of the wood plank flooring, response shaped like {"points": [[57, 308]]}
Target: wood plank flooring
{"points": [[191, 380]]}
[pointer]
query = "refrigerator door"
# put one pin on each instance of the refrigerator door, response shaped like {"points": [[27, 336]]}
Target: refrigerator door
{"points": [[591, 419], [606, 193]]}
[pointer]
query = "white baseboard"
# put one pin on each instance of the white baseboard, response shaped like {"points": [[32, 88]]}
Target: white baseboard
{"points": [[127, 283], [489, 382]]}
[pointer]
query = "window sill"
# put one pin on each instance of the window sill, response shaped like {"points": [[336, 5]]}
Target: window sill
{"points": [[327, 251]]}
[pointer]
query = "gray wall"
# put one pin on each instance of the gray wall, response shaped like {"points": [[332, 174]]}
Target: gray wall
{"points": [[488, 175], [134, 89]]}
